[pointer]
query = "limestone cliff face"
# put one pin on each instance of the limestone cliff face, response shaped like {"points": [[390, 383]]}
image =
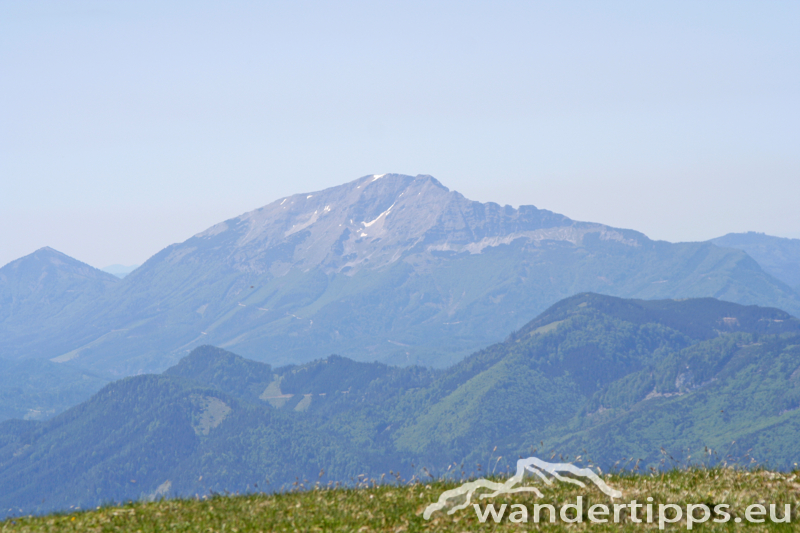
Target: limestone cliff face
{"points": [[377, 220]]}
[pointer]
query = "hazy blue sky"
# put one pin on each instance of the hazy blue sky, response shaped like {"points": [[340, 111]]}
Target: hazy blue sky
{"points": [[129, 125]]}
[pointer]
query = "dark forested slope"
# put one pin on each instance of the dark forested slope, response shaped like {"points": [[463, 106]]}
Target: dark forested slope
{"points": [[593, 375]]}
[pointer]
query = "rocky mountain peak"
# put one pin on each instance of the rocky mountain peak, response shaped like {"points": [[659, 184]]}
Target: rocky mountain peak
{"points": [[376, 220], [388, 267]]}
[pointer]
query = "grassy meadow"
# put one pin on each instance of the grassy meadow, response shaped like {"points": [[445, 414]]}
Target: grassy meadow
{"points": [[396, 508]]}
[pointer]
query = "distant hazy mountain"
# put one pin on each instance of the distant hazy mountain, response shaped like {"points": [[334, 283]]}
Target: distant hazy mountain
{"points": [[594, 375], [776, 255], [37, 291], [44, 283], [37, 389], [42, 291], [120, 271], [392, 268]]}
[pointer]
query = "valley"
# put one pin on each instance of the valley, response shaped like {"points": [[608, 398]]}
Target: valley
{"points": [[651, 383]]}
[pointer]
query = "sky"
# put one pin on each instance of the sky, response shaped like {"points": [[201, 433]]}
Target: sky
{"points": [[126, 126]]}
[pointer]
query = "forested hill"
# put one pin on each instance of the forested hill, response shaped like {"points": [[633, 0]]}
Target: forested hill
{"points": [[594, 375]]}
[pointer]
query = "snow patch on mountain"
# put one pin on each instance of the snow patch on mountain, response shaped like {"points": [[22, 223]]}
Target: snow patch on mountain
{"points": [[378, 219]]}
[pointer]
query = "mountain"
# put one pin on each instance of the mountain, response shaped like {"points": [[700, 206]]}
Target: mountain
{"points": [[609, 379], [597, 376], [43, 289], [778, 256], [37, 291], [392, 268], [159, 435], [37, 389]]}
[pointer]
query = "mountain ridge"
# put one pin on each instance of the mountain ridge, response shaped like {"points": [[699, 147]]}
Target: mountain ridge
{"points": [[778, 256], [593, 375], [392, 268]]}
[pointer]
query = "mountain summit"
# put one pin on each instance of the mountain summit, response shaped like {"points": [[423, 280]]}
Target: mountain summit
{"points": [[40, 287], [377, 220], [393, 268]]}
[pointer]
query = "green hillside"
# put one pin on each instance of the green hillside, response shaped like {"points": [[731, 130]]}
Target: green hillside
{"points": [[147, 432], [593, 361], [35, 389], [387, 508], [652, 383]]}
